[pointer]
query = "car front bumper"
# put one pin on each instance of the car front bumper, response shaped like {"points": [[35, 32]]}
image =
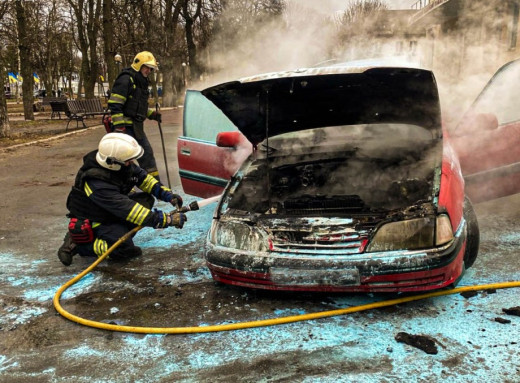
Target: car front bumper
{"points": [[395, 271]]}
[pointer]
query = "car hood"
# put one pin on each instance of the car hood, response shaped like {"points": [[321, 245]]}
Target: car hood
{"points": [[266, 106]]}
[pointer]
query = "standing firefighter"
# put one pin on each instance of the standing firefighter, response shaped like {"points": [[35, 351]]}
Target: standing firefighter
{"points": [[129, 106], [101, 210]]}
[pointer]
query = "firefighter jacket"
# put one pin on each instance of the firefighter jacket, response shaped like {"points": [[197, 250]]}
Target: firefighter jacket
{"points": [[128, 101], [101, 195]]}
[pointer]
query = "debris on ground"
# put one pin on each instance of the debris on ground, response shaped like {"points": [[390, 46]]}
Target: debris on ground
{"points": [[422, 342], [512, 311], [469, 294], [502, 320]]}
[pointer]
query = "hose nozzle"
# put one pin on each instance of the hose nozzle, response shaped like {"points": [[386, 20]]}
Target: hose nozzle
{"points": [[190, 207], [194, 205]]}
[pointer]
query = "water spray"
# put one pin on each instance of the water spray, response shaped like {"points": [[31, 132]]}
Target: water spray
{"points": [[196, 205]]}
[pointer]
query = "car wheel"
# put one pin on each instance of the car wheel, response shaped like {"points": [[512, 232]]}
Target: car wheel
{"points": [[473, 234]]}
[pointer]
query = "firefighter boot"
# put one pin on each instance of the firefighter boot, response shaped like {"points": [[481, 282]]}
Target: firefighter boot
{"points": [[67, 250]]}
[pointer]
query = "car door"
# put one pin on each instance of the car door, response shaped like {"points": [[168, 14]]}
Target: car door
{"points": [[205, 168], [487, 140]]}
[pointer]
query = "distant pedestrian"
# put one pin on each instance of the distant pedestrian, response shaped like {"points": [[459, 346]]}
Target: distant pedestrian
{"points": [[128, 103]]}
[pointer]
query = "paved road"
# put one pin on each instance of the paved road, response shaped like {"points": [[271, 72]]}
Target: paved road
{"points": [[169, 286]]}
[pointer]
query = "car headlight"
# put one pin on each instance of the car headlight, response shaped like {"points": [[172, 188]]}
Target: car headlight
{"points": [[412, 234], [239, 236]]}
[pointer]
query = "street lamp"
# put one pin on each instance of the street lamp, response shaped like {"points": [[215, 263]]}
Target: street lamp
{"points": [[184, 77]]}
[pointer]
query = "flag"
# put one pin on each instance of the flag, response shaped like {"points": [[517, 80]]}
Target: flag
{"points": [[12, 78], [36, 78], [19, 77], [101, 78]]}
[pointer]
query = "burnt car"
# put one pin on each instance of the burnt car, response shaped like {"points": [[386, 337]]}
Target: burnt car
{"points": [[350, 184]]}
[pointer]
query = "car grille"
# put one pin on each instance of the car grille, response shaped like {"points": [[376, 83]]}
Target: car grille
{"points": [[324, 206], [337, 243]]}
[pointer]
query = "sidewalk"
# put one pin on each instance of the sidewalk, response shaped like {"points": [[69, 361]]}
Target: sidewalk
{"points": [[44, 128], [43, 124]]}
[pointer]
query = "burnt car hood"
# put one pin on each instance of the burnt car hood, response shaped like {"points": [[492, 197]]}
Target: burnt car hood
{"points": [[280, 104]]}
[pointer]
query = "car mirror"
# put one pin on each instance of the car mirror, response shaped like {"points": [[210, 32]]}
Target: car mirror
{"points": [[229, 139], [475, 123]]}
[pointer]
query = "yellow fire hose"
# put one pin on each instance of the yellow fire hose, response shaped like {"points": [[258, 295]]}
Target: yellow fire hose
{"points": [[257, 323]]}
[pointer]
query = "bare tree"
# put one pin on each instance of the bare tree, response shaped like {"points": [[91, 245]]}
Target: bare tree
{"points": [[24, 47], [5, 128], [356, 27], [86, 16], [191, 11], [359, 18], [53, 36], [237, 22], [170, 59], [108, 41]]}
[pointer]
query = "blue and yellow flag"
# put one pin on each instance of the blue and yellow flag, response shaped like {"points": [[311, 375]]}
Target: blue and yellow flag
{"points": [[12, 78], [36, 78], [19, 77]]}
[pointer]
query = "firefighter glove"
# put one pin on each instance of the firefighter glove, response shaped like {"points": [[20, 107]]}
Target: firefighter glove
{"points": [[176, 200], [177, 220], [166, 195], [156, 116], [161, 220]]}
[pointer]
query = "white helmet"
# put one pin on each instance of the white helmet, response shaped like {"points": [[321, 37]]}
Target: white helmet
{"points": [[115, 149]]}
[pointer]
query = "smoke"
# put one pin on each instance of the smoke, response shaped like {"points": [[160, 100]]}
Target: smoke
{"points": [[307, 32], [299, 37]]}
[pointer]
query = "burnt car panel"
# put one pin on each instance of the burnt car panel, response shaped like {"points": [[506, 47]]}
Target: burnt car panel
{"points": [[286, 104]]}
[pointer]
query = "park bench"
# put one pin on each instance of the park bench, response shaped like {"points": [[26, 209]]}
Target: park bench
{"points": [[44, 103], [78, 110], [58, 107]]}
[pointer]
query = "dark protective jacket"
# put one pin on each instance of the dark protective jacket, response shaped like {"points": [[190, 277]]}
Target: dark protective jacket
{"points": [[128, 101], [101, 195]]}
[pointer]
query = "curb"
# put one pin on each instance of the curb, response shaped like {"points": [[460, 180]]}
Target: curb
{"points": [[8, 148]]}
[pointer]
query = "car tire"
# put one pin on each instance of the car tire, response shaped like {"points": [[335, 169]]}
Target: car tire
{"points": [[472, 236]]}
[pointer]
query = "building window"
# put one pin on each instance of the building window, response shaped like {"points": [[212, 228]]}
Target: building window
{"points": [[398, 47], [413, 47]]}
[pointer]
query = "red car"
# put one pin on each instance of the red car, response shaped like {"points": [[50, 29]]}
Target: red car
{"points": [[350, 183], [488, 137]]}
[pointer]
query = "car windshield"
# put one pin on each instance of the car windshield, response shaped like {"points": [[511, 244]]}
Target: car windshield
{"points": [[340, 169], [500, 97]]}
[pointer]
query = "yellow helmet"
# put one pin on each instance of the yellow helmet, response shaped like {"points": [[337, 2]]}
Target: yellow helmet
{"points": [[144, 58]]}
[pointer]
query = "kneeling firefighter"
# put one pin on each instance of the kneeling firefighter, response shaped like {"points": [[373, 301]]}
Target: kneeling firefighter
{"points": [[101, 210]]}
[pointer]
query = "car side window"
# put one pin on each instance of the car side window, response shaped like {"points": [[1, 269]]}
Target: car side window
{"points": [[501, 95], [202, 119]]}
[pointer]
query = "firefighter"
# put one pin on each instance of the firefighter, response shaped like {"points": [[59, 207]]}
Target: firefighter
{"points": [[128, 104], [101, 210]]}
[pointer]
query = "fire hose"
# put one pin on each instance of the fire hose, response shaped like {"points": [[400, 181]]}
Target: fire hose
{"points": [[250, 324]]}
